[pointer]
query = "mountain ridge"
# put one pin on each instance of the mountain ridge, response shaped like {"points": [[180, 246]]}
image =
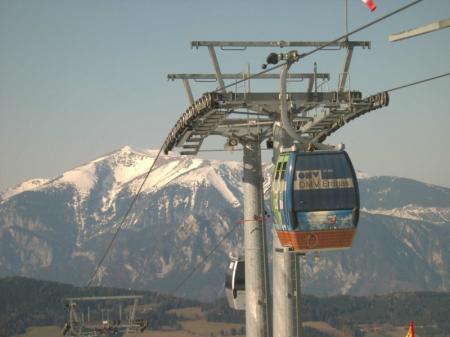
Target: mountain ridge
{"points": [[60, 227]]}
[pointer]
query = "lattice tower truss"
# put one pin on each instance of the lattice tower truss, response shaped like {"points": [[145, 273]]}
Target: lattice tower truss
{"points": [[314, 114]]}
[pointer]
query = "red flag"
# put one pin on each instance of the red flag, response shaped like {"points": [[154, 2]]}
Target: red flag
{"points": [[370, 4]]}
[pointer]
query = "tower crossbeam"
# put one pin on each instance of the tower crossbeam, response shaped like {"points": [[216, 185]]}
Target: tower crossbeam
{"points": [[212, 114]]}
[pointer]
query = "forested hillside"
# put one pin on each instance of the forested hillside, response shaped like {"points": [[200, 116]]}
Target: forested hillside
{"points": [[26, 302]]}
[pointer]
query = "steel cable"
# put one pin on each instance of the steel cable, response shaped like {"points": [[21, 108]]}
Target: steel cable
{"points": [[417, 82], [193, 270], [124, 218], [323, 46]]}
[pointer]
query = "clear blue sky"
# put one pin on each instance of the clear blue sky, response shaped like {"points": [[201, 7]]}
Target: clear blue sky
{"points": [[79, 79]]}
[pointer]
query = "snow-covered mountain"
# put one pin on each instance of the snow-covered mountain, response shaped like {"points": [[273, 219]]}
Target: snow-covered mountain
{"points": [[58, 229]]}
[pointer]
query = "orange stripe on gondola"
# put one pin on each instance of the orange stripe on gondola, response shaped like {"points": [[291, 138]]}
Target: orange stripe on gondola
{"points": [[317, 240]]}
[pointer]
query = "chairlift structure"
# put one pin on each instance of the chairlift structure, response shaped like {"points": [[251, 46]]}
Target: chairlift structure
{"points": [[102, 316]]}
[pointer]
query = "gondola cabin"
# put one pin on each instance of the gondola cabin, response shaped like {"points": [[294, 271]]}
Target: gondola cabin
{"points": [[315, 200], [235, 283]]}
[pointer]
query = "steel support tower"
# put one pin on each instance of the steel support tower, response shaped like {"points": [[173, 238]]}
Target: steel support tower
{"points": [[284, 118], [257, 294]]}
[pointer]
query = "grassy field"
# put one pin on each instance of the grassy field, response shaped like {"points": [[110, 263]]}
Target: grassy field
{"points": [[194, 324], [385, 330], [188, 313], [205, 328], [326, 328], [42, 331], [191, 328], [202, 328], [192, 321]]}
